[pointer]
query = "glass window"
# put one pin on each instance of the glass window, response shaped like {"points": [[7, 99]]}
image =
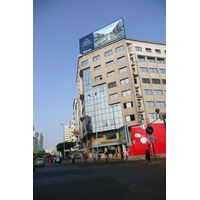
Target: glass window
{"points": [[112, 73], [121, 59], [118, 49], [148, 50], [126, 93], [108, 53], [163, 71], [130, 118], [160, 104], [164, 81], [111, 85], [97, 68], [143, 69], [150, 104], [141, 59], [147, 92], [98, 78], [152, 116], [111, 135], [145, 80], [84, 62], [124, 81], [109, 63], [99, 135], [113, 96], [151, 60], [96, 58], [138, 48], [158, 92], [128, 105], [155, 81], [122, 70], [104, 123], [160, 61], [157, 51], [153, 70]]}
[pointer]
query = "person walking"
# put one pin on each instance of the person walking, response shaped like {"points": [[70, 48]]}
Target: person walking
{"points": [[113, 154], [147, 153], [122, 156], [127, 156], [81, 156], [85, 157], [94, 156], [72, 156], [106, 155]]}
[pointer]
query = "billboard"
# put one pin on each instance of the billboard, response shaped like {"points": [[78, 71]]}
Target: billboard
{"points": [[103, 36]]}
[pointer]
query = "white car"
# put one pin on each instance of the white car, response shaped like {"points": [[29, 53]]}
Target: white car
{"points": [[40, 162]]}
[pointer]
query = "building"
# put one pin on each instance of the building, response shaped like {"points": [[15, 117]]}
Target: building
{"points": [[120, 83], [37, 142]]}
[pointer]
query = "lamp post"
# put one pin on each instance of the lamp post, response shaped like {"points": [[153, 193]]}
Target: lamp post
{"points": [[95, 121], [64, 139]]}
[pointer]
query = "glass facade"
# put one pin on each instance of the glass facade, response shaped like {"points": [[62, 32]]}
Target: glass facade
{"points": [[105, 114]]}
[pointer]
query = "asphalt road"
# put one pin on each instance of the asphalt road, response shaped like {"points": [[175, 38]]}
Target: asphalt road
{"points": [[127, 180]]}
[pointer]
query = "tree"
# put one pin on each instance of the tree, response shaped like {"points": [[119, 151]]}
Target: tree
{"points": [[68, 145]]}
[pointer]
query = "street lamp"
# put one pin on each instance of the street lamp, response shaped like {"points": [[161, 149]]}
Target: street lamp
{"points": [[95, 121], [64, 138]]}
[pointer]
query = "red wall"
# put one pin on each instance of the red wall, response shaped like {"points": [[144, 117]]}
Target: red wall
{"points": [[139, 148]]}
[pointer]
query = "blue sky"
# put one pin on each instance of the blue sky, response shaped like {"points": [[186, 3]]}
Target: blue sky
{"points": [[57, 28]]}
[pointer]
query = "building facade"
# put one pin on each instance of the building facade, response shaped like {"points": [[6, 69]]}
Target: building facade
{"points": [[37, 142], [119, 85]]}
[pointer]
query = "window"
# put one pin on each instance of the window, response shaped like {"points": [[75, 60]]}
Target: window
{"points": [[160, 61], [148, 50], [111, 85], [158, 92], [99, 135], [138, 48], [121, 59], [160, 104], [128, 105], [98, 78], [126, 93], [155, 81], [108, 53], [112, 122], [110, 136], [112, 73], [104, 123], [152, 116], [122, 70], [97, 68], [145, 80], [153, 70], [84, 62], [163, 71], [118, 49], [150, 104], [135, 80], [141, 59], [143, 69], [165, 92], [130, 118], [157, 51], [147, 92], [96, 58], [113, 96], [164, 81], [151, 60], [124, 81], [109, 63]]}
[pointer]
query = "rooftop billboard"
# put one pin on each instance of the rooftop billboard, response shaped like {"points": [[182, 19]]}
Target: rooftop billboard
{"points": [[102, 36]]}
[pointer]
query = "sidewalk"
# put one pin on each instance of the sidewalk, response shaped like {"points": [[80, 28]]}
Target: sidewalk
{"points": [[118, 159]]}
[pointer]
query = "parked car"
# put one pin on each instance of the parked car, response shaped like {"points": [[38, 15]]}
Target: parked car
{"points": [[40, 162], [33, 165], [49, 160]]}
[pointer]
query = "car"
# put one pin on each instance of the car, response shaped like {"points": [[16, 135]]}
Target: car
{"points": [[40, 162], [49, 160], [33, 165]]}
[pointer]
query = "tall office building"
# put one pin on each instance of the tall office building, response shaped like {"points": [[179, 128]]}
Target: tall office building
{"points": [[37, 142], [120, 83]]}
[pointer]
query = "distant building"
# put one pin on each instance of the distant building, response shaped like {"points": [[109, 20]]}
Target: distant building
{"points": [[51, 151], [37, 142]]}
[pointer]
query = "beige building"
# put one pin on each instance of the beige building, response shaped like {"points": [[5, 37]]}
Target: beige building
{"points": [[119, 84]]}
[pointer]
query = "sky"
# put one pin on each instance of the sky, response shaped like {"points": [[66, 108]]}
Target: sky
{"points": [[57, 28]]}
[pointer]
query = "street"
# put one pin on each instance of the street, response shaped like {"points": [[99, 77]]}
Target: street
{"points": [[121, 180]]}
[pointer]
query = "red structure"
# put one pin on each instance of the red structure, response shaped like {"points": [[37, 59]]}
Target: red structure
{"points": [[141, 141]]}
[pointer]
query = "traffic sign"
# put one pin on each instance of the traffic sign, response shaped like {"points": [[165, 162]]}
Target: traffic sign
{"points": [[149, 130]]}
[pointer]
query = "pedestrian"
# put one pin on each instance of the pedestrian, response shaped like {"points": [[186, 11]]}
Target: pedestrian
{"points": [[113, 154], [72, 156], [81, 156], [85, 157], [99, 157], [94, 156], [122, 156], [147, 153], [106, 155], [127, 156]]}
